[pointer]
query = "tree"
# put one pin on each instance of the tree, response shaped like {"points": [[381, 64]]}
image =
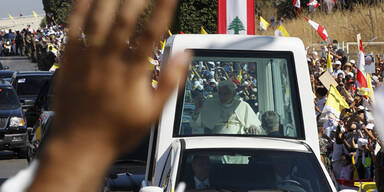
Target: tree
{"points": [[57, 10], [192, 14], [236, 25]]}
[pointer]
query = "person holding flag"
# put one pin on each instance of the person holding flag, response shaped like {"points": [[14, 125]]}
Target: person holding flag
{"points": [[361, 77]]}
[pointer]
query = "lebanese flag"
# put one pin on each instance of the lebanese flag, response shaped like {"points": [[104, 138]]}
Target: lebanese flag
{"points": [[320, 29], [236, 17], [361, 75], [296, 3], [314, 4]]}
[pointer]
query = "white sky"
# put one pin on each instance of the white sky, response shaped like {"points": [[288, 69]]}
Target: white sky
{"points": [[15, 7]]}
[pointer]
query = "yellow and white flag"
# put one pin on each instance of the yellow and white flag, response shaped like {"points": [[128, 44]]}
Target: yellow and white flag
{"points": [[240, 76], [329, 63], [281, 32], [371, 93], [35, 14], [203, 30], [335, 103], [10, 17], [169, 32], [162, 44], [263, 24]]}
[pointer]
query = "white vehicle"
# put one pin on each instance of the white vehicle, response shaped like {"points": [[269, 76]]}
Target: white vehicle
{"points": [[226, 164], [249, 88]]}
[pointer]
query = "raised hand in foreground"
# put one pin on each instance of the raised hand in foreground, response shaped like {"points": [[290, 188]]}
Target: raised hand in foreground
{"points": [[105, 102]]}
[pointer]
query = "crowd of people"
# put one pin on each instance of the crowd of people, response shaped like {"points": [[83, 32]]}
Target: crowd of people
{"points": [[349, 142], [43, 46]]}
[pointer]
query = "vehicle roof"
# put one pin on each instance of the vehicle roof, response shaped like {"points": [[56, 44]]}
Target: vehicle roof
{"points": [[245, 143], [33, 73], [6, 72], [236, 42]]}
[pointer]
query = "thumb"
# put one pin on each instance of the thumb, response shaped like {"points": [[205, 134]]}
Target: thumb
{"points": [[172, 74]]}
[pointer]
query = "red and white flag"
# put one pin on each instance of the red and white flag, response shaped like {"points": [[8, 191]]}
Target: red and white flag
{"points": [[361, 77], [314, 3], [320, 29], [236, 17], [296, 3]]}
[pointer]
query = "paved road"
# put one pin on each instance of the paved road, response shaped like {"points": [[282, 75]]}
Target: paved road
{"points": [[18, 63], [9, 164]]}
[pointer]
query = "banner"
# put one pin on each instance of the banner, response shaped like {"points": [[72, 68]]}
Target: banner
{"points": [[236, 17]]}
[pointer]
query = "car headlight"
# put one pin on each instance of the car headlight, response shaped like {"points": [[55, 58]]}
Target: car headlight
{"points": [[16, 122]]}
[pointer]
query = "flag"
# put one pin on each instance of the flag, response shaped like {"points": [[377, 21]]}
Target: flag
{"points": [[10, 16], [35, 14], [181, 32], [162, 44], [296, 3], [320, 29], [263, 24], [236, 17], [335, 103], [361, 77], [281, 31], [239, 77], [371, 93], [329, 63], [203, 30], [169, 32], [314, 4]]}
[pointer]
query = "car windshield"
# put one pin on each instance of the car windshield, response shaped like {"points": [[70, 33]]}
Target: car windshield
{"points": [[8, 99], [251, 170], [31, 85], [240, 93]]}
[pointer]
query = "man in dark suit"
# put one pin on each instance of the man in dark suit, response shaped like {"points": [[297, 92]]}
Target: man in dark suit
{"points": [[201, 172]]}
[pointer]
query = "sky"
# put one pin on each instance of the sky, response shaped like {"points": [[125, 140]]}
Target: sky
{"points": [[15, 7]]}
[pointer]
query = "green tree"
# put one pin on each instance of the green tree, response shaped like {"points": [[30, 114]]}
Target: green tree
{"points": [[236, 25], [192, 14], [59, 9]]}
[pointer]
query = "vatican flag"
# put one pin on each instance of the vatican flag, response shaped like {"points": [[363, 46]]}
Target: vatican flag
{"points": [[203, 30], [281, 32], [335, 103], [263, 24]]}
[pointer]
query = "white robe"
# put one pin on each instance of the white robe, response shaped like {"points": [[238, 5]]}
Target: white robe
{"points": [[234, 118]]}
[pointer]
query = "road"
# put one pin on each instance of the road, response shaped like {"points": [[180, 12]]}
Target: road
{"points": [[9, 164], [18, 63]]}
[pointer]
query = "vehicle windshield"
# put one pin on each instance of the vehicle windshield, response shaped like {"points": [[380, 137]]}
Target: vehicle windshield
{"points": [[251, 170], [240, 93], [30, 86], [8, 99]]}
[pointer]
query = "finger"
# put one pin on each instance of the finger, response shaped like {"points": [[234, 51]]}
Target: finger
{"points": [[159, 23], [100, 20], [173, 73], [125, 24], [77, 19]]}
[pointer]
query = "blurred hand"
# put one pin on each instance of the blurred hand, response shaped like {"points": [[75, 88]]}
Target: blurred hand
{"points": [[105, 103], [254, 130]]}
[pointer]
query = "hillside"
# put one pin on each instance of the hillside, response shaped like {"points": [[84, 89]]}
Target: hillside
{"points": [[340, 25], [20, 22]]}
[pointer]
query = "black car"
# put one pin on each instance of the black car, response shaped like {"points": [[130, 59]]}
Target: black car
{"points": [[28, 86], [6, 75], [13, 131]]}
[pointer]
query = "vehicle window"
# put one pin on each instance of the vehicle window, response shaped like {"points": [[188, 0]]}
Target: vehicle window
{"points": [[240, 93], [31, 85], [8, 99], [5, 75], [252, 170]]}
